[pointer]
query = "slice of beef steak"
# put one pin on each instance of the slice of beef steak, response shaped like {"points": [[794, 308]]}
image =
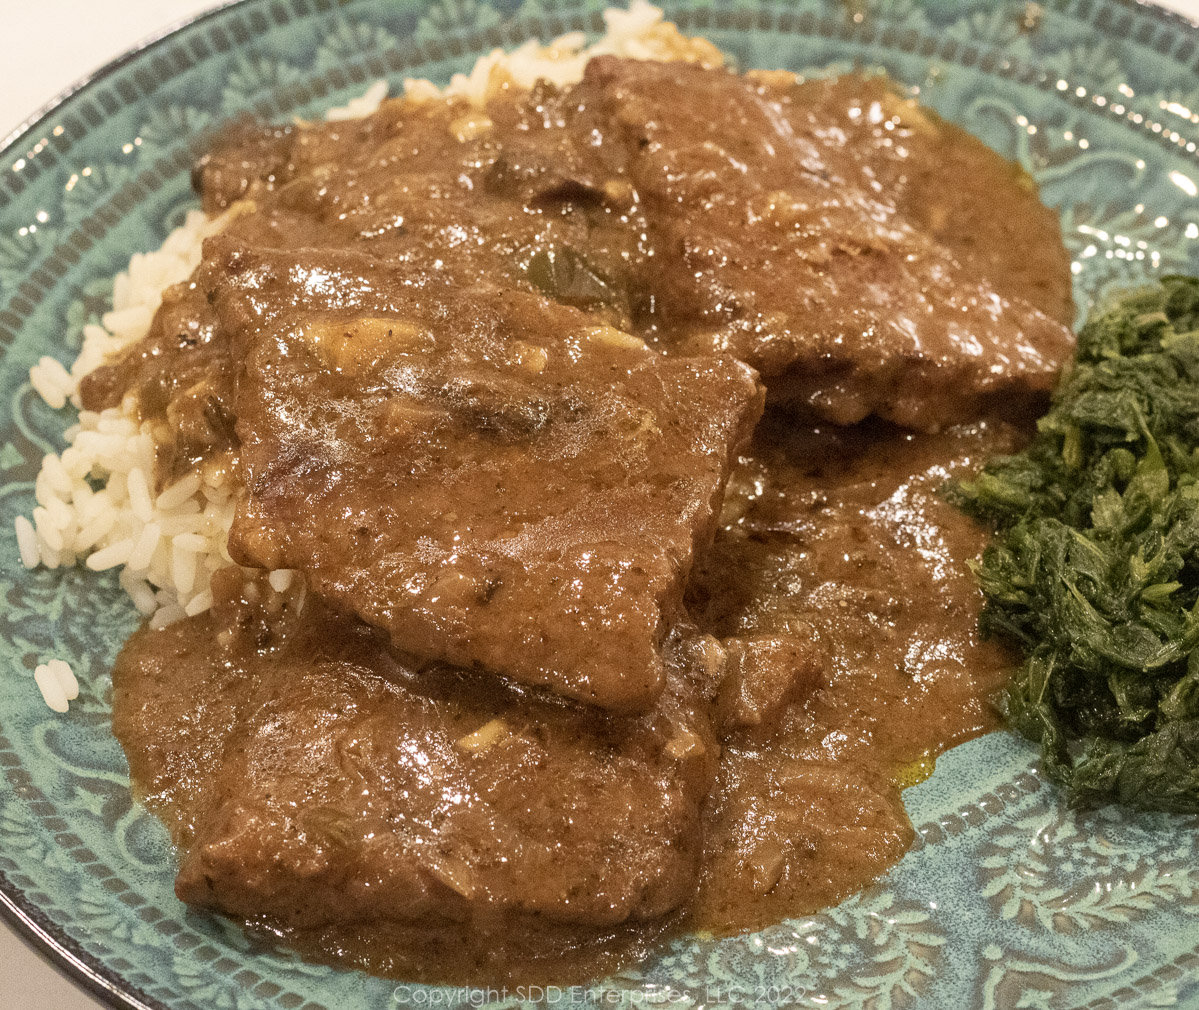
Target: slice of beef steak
{"points": [[494, 479], [775, 242], [313, 777]]}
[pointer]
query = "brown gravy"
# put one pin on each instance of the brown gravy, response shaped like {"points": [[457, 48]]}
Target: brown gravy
{"points": [[837, 549], [329, 777], [422, 822], [832, 540]]}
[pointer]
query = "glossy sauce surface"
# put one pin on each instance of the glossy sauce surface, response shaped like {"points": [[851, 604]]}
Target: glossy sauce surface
{"points": [[496, 481], [484, 377], [431, 823], [838, 580], [425, 821], [863, 255], [779, 237]]}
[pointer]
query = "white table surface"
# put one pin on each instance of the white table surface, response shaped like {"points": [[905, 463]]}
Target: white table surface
{"points": [[45, 47]]}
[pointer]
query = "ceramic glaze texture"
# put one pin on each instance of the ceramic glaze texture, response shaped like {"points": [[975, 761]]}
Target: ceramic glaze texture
{"points": [[1008, 900]]}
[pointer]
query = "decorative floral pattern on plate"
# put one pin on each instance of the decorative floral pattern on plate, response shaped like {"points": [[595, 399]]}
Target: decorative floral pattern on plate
{"points": [[1008, 899]]}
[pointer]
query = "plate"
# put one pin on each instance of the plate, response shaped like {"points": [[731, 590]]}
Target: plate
{"points": [[1008, 899]]}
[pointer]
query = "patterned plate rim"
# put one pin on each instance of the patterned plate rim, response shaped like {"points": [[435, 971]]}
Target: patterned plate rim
{"points": [[29, 125], [31, 924], [37, 929]]}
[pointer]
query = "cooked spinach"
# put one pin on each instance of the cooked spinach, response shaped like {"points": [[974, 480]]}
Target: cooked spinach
{"points": [[1094, 572]]}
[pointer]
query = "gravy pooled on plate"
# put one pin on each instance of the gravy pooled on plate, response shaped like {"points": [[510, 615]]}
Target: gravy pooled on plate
{"points": [[580, 647]]}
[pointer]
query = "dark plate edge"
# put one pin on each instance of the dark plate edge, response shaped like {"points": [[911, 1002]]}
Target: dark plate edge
{"points": [[1154, 9], [30, 923], [66, 955], [28, 126]]}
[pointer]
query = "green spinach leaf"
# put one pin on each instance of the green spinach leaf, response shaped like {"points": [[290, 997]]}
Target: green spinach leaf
{"points": [[1094, 572]]}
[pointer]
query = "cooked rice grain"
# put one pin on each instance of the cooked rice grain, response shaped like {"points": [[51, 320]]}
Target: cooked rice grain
{"points": [[53, 692]]}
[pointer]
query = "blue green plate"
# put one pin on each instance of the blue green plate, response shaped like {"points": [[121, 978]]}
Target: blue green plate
{"points": [[1008, 898]]}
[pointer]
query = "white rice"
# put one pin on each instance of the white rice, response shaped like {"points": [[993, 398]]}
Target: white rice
{"points": [[360, 107], [95, 501], [56, 680], [637, 33]]}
